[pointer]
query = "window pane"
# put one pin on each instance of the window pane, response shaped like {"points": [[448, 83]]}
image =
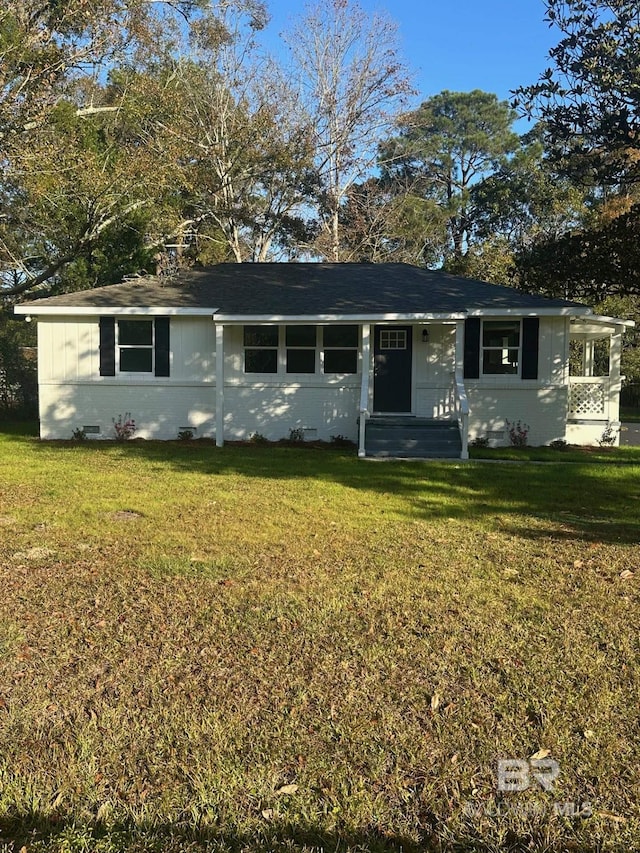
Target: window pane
{"points": [[135, 332], [340, 336], [261, 336], [136, 360], [497, 333], [393, 338], [261, 361], [341, 361], [301, 336], [301, 361], [500, 361]]}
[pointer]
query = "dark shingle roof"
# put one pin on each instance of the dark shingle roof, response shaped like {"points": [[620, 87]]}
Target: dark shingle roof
{"points": [[309, 289]]}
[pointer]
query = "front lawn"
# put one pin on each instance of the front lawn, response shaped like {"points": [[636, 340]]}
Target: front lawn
{"points": [[291, 649]]}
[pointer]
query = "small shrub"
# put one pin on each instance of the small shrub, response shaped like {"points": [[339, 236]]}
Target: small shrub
{"points": [[185, 434], [79, 434], [296, 434], [124, 427], [479, 441], [608, 437], [518, 433], [341, 441], [559, 444], [258, 438]]}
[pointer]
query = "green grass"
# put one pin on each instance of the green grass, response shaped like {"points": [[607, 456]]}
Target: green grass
{"points": [[569, 453], [291, 649]]}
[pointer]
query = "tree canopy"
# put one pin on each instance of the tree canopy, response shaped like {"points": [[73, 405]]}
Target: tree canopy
{"points": [[446, 146], [589, 99]]}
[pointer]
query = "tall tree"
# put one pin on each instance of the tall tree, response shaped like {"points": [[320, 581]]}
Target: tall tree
{"points": [[191, 147], [383, 222], [589, 99], [353, 85], [443, 149], [588, 104], [526, 200]]}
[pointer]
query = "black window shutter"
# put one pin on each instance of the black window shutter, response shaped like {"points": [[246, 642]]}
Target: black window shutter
{"points": [[107, 346], [162, 346], [530, 334], [472, 348]]}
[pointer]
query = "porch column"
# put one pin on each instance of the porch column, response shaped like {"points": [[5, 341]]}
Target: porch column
{"points": [[219, 385], [459, 367], [364, 388], [587, 358], [615, 377], [460, 392]]}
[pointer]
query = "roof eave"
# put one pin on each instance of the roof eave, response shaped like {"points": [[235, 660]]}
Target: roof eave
{"points": [[610, 321], [31, 308]]}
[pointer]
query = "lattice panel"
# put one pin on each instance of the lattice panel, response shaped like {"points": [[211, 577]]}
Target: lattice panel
{"points": [[588, 399]]}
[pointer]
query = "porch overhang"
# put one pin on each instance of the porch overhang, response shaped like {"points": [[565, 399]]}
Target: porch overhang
{"points": [[595, 327]]}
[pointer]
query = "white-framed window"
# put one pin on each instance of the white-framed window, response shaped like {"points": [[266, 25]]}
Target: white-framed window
{"points": [[501, 347], [261, 349], [135, 343], [301, 349], [340, 349], [393, 339]]}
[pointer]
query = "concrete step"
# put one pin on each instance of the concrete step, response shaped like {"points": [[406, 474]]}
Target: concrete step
{"points": [[411, 454], [410, 444], [412, 434], [406, 421], [407, 438]]}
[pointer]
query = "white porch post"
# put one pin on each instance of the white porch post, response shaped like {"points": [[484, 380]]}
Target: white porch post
{"points": [[219, 385], [587, 358], [459, 348], [615, 377], [364, 388], [460, 391]]}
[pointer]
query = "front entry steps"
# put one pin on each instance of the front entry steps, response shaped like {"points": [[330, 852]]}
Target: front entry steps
{"points": [[412, 438]]}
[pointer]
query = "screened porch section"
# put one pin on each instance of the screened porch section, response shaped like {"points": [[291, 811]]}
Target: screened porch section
{"points": [[594, 370]]}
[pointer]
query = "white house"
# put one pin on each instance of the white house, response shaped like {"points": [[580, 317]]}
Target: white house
{"points": [[402, 360]]}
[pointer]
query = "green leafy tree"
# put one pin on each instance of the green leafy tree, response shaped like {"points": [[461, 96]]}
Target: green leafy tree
{"points": [[589, 264], [18, 367], [526, 200], [82, 160], [381, 223], [589, 99], [446, 146]]}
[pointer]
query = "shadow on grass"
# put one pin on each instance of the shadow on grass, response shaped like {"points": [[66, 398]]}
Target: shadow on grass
{"points": [[594, 501], [46, 835]]}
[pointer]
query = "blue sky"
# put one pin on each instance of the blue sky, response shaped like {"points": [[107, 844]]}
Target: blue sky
{"points": [[494, 45]]}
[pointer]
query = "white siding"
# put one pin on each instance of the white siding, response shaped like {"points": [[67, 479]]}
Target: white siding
{"points": [[74, 395], [540, 403], [543, 409], [434, 363], [158, 410], [274, 404], [273, 410]]}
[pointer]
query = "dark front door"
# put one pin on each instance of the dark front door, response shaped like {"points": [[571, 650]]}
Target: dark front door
{"points": [[392, 369]]}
